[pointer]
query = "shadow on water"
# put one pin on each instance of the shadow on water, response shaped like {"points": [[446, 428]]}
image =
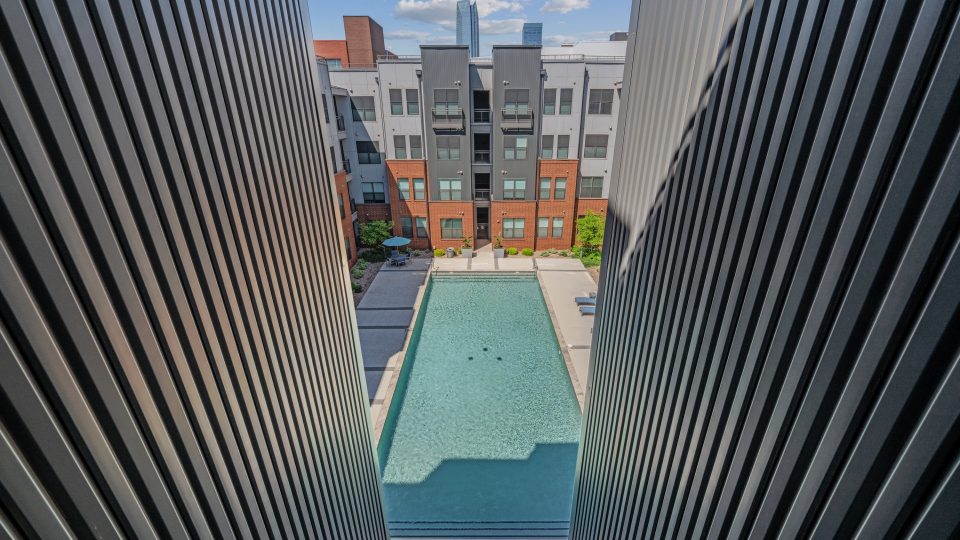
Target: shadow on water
{"points": [[488, 496]]}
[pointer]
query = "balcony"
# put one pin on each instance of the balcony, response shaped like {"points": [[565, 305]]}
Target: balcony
{"points": [[341, 125], [346, 165], [447, 117], [516, 118], [481, 116], [481, 156], [481, 194]]}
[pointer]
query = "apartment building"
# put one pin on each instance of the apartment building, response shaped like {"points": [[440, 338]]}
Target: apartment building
{"points": [[446, 146]]}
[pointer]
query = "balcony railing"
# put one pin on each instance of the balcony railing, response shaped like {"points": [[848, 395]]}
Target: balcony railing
{"points": [[346, 165], [341, 126], [481, 156], [447, 117], [481, 194], [481, 116], [516, 118]]}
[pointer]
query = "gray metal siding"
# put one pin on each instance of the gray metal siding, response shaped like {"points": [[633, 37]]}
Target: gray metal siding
{"points": [[442, 68], [776, 351], [178, 355], [520, 66]]}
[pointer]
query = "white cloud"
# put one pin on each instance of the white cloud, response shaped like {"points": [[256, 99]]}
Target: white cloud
{"points": [[415, 35], [501, 26], [444, 12], [559, 39], [564, 6]]}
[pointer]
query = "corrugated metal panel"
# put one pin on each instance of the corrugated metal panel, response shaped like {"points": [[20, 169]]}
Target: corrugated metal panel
{"points": [[178, 356], [777, 347]]}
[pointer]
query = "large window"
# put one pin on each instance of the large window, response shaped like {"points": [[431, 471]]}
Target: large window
{"points": [[566, 100], [515, 147], [516, 101], [373, 192], [557, 227], [591, 187], [550, 101], [419, 189], [544, 189], [406, 226], [546, 147], [514, 189], [400, 146], [403, 186], [416, 147], [446, 101], [413, 101], [396, 101], [363, 108], [560, 189], [513, 227], [595, 146], [422, 227], [451, 228], [450, 189], [543, 225], [448, 147], [601, 101], [563, 146], [368, 153]]}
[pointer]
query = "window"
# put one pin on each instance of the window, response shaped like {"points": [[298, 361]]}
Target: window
{"points": [[346, 244], [334, 63], [560, 189], [546, 147], [373, 192], [416, 148], [513, 228], [396, 101], [448, 148], [515, 147], [403, 186], [422, 227], [542, 225], [566, 100], [601, 102], [343, 211], [446, 101], [413, 101], [550, 101], [591, 187], [595, 146], [451, 228], [368, 153], [516, 101], [563, 146], [400, 147], [363, 109], [514, 188], [406, 226], [544, 189], [326, 111], [450, 189], [333, 159], [557, 227], [419, 189]]}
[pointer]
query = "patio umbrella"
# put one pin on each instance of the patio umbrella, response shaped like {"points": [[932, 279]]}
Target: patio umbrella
{"points": [[396, 241]]}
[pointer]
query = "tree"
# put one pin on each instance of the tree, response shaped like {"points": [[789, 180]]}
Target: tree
{"points": [[373, 233], [590, 231]]}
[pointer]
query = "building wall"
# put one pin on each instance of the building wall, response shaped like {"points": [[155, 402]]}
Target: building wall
{"points": [[400, 76], [361, 82], [409, 169], [519, 66], [514, 209], [346, 219], [775, 353], [332, 49], [601, 75], [450, 209], [573, 75], [443, 68], [178, 353], [364, 38], [553, 208]]}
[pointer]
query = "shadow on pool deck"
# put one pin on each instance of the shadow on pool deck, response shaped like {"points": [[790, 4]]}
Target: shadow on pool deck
{"points": [[489, 497]]}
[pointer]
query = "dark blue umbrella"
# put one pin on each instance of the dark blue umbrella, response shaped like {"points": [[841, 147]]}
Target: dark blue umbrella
{"points": [[396, 241]]}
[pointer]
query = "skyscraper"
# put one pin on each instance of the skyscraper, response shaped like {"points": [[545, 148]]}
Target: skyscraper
{"points": [[468, 26], [533, 33]]}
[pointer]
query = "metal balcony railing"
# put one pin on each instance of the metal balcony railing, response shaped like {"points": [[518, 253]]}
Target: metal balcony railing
{"points": [[346, 165], [447, 117], [481, 116], [341, 126], [516, 118], [481, 156], [481, 194]]}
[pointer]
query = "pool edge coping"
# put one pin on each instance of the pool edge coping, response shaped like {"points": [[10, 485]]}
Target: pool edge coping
{"points": [[578, 388]]}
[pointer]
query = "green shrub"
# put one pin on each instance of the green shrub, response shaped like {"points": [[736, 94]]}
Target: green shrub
{"points": [[590, 230], [545, 254], [357, 287], [563, 253], [373, 255], [527, 252], [373, 233], [357, 273], [361, 265], [439, 252], [591, 259], [576, 250], [511, 251], [416, 253]]}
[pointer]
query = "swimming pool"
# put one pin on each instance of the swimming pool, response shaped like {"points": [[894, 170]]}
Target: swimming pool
{"points": [[481, 437]]}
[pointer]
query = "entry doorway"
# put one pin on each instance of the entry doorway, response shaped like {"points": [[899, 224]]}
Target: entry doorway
{"points": [[483, 226]]}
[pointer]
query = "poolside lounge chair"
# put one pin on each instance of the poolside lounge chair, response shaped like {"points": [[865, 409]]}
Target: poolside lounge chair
{"points": [[588, 310], [586, 301]]}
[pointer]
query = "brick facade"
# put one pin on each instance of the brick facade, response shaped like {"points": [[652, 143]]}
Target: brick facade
{"points": [[450, 209], [346, 217], [364, 39], [599, 206], [551, 207], [332, 49], [408, 169], [373, 212], [499, 210]]}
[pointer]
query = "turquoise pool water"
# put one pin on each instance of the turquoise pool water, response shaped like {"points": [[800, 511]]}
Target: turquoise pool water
{"points": [[481, 438]]}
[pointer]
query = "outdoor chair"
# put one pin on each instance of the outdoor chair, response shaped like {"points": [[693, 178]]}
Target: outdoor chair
{"points": [[586, 301], [588, 310]]}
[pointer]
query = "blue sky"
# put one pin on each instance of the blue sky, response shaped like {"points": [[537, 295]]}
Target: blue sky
{"points": [[409, 23]]}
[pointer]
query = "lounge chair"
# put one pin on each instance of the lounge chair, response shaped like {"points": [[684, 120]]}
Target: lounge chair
{"points": [[588, 310], [586, 301]]}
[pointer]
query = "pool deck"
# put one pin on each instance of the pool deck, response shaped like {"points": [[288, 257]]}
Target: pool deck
{"points": [[385, 315]]}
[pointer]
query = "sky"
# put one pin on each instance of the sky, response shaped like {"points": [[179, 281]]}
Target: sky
{"points": [[409, 23]]}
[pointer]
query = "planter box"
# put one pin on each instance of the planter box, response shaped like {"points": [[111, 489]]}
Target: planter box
{"points": [[498, 253], [466, 252]]}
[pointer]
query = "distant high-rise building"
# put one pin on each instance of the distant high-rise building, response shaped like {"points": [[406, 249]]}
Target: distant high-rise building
{"points": [[468, 26], [533, 33], [618, 36]]}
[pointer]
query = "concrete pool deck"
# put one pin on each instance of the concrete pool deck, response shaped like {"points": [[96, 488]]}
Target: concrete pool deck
{"points": [[387, 311]]}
